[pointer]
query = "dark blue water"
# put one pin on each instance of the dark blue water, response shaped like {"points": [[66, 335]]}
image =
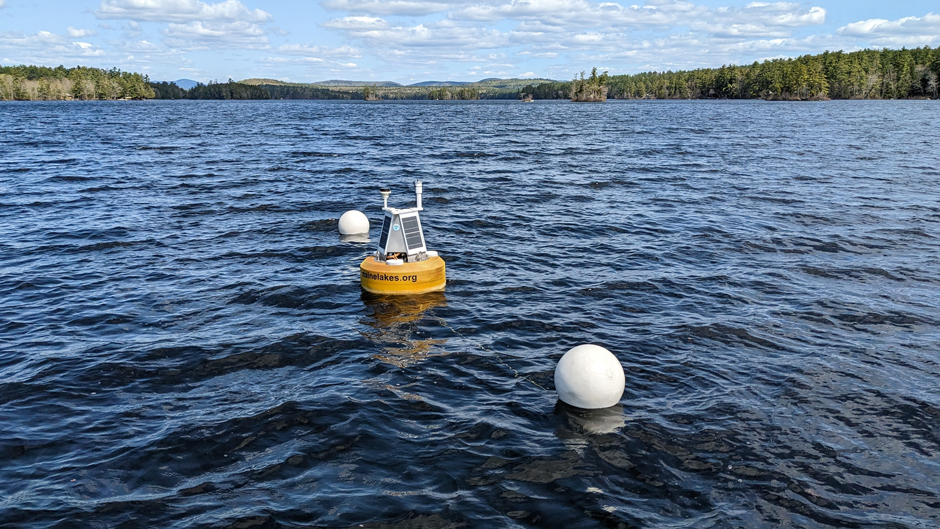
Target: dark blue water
{"points": [[184, 342]]}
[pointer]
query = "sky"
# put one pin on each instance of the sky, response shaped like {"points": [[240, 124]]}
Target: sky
{"points": [[409, 41]]}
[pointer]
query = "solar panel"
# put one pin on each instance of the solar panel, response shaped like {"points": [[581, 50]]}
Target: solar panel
{"points": [[385, 227], [413, 237]]}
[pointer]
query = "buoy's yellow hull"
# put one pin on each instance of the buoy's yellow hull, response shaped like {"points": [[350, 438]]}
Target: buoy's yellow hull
{"points": [[408, 278]]}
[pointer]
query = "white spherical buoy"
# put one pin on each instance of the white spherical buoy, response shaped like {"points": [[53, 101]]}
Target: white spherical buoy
{"points": [[353, 223], [589, 377]]}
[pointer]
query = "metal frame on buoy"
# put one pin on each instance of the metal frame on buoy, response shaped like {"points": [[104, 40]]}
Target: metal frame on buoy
{"points": [[402, 235], [402, 264]]}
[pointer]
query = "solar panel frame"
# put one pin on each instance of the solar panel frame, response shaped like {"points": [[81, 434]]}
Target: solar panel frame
{"points": [[413, 234], [386, 226]]}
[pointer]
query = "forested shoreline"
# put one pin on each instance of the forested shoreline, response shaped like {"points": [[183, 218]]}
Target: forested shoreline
{"points": [[229, 90], [865, 74], [39, 83]]}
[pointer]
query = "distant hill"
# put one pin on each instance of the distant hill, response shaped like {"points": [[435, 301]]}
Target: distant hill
{"points": [[490, 82], [274, 82], [337, 82], [255, 81], [441, 83], [185, 84], [345, 89], [509, 84]]}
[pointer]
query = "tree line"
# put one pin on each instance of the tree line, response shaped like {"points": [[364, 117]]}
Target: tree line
{"points": [[384, 93], [306, 92], [450, 93], [236, 90], [865, 74], [213, 90], [40, 83]]}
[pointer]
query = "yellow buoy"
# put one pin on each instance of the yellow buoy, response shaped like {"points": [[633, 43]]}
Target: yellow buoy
{"points": [[402, 264], [419, 277]]}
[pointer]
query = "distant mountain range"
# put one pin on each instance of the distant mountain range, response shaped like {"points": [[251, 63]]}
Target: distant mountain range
{"points": [[441, 83], [188, 84], [492, 82], [185, 84], [340, 82]]}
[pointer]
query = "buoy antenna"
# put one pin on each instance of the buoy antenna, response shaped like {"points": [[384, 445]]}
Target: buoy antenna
{"points": [[418, 187], [385, 194]]}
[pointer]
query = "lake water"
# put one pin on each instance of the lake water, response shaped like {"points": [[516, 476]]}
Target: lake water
{"points": [[184, 342]]}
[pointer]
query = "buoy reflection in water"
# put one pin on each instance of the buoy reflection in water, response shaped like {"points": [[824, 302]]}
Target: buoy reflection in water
{"points": [[393, 322], [356, 237], [573, 423]]}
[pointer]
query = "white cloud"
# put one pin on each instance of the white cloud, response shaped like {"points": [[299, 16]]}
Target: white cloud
{"points": [[45, 47], [444, 38], [556, 28], [539, 28], [591, 39], [179, 11], [138, 54], [783, 14], [132, 30], [308, 50], [139, 47], [554, 11], [738, 31], [689, 51], [313, 60], [206, 35], [393, 7], [583, 14], [79, 33], [357, 24], [442, 34], [907, 31]]}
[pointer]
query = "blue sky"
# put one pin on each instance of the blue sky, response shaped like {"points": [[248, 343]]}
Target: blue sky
{"points": [[463, 40]]}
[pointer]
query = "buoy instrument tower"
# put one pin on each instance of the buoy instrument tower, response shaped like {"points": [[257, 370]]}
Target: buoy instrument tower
{"points": [[402, 264]]}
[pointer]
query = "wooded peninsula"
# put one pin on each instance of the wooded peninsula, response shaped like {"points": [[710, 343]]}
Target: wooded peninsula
{"points": [[865, 74]]}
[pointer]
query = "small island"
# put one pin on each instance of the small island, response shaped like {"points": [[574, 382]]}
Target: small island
{"points": [[370, 93], [590, 90]]}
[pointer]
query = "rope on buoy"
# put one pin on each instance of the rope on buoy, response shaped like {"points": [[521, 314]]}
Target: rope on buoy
{"points": [[496, 354]]}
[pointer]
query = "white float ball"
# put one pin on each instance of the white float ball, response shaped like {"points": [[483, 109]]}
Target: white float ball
{"points": [[589, 377], [353, 223]]}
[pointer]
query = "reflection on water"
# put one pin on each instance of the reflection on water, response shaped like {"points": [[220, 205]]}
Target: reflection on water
{"points": [[577, 422], [358, 237], [393, 322]]}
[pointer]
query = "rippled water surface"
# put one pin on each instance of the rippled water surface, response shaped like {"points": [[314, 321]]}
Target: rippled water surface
{"points": [[184, 342]]}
